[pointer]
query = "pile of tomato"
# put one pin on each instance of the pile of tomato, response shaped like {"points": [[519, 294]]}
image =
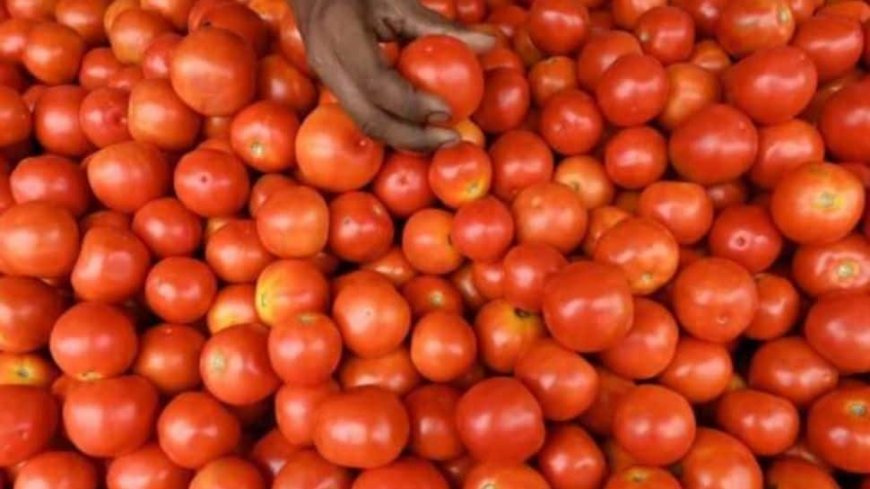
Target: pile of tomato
{"points": [[646, 264]]}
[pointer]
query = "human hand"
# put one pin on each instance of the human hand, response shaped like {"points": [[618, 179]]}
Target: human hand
{"points": [[341, 39]]}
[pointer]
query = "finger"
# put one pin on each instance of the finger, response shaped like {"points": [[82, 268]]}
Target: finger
{"points": [[421, 21]]}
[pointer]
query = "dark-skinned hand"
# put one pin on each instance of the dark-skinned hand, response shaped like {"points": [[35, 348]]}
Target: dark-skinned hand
{"points": [[341, 40]]}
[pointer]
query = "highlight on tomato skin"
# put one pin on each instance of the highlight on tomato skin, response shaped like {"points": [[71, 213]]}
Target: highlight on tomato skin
{"points": [[638, 258]]}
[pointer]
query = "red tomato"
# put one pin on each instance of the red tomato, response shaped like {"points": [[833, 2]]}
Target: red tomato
{"points": [[167, 227], [429, 293], [841, 124], [13, 37], [56, 121], [782, 148], [266, 186], [558, 26], [655, 425], [431, 411], [97, 67], [551, 76], [549, 213], [717, 460], [642, 478], [373, 318], [747, 26], [571, 123], [235, 252], [626, 13], [767, 424], [211, 183], [587, 177], [505, 102], [667, 33], [294, 222], [397, 475], [306, 349], [817, 203], [146, 468], [295, 408], [289, 287], [836, 267], [832, 42], [38, 239], [588, 293], [90, 352], [378, 419], [499, 409], [447, 68], [483, 229], [691, 89], [789, 368], [402, 184], [650, 345], [611, 389], [194, 429], [834, 329], [158, 55], [519, 159], [505, 333], [50, 178], [26, 369], [508, 476], [635, 157], [53, 53], [180, 289], [264, 134], [103, 116], [333, 154], [157, 116], [426, 242], [527, 267], [169, 357], [128, 175], [29, 417], [837, 431], [28, 311], [571, 459], [460, 174], [443, 346], [234, 365], [746, 235], [645, 250], [280, 81], [233, 305], [228, 473], [57, 469], [791, 471], [710, 55], [564, 383], [790, 82], [308, 469], [699, 371], [632, 90], [716, 144], [132, 31], [271, 453], [111, 266], [600, 52], [110, 417], [778, 308], [16, 121], [240, 20]]}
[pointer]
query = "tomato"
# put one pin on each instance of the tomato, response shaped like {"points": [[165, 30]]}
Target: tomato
{"points": [[460, 174], [53, 179], [505, 334], [240, 20], [103, 116], [234, 365], [505, 102], [156, 115], [507, 476], [710, 55], [295, 408], [373, 318], [28, 311], [588, 293], [746, 235], [571, 123], [551, 76], [402, 184], [180, 289], [793, 472], [38, 239], [642, 478], [840, 266], [667, 33], [564, 383], [611, 389], [842, 124], [527, 267], [26, 369], [426, 242], [600, 52], [57, 469], [126, 77], [782, 148], [632, 90], [168, 356], [175, 11], [655, 425], [817, 203], [13, 37], [56, 121], [558, 26], [111, 266], [626, 13], [790, 84], [431, 411], [194, 429], [832, 42], [716, 144], [290, 42], [146, 468], [228, 473], [635, 157], [211, 183], [167, 227], [233, 305], [289, 287], [650, 345], [767, 424], [778, 308], [837, 428], [97, 66], [308, 469], [128, 175], [90, 352], [483, 229], [271, 453], [443, 346], [789, 368], [718, 460], [333, 154], [833, 328], [549, 213], [699, 371], [306, 349], [645, 250], [498, 409], [110, 417], [15, 119], [29, 417], [747, 26], [429, 293], [402, 473], [691, 89], [263, 135], [571, 459], [132, 31], [463, 280], [293, 222], [378, 419], [235, 252], [520, 159], [279, 81], [53, 53]]}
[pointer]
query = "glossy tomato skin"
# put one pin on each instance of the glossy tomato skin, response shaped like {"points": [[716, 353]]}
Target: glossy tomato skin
{"points": [[718, 460], [586, 176], [778, 308], [431, 410], [520, 158], [92, 341], [53, 52], [645, 250], [429, 293], [447, 68], [30, 418], [551, 76], [772, 25], [228, 473], [700, 371], [633, 90], [426, 243], [834, 322], [103, 116], [841, 266], [527, 267], [377, 415], [194, 429], [288, 287], [483, 475], [180, 289], [571, 123], [747, 235], [235, 252], [111, 266], [132, 30], [635, 157], [308, 469], [234, 365], [211, 183], [263, 135], [52, 179], [505, 333], [655, 425], [716, 144], [57, 469], [505, 102], [842, 126], [571, 459], [497, 409], [295, 408], [280, 81], [127, 408], [146, 468], [789, 470], [168, 356], [564, 383], [126, 176], [402, 184], [157, 116], [214, 71], [232, 305], [650, 345], [666, 33], [460, 173], [832, 42], [568, 298], [483, 229], [691, 89], [558, 26], [782, 148], [394, 372], [167, 227], [56, 121], [28, 311], [790, 368], [306, 349], [373, 318], [549, 213], [443, 346], [817, 203], [767, 424], [790, 82], [38, 239], [836, 428], [403, 473], [294, 222]]}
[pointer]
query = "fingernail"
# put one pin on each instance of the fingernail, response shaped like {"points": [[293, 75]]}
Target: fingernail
{"points": [[438, 118], [444, 136]]}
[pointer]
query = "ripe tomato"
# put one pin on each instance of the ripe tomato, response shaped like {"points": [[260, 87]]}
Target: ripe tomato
{"points": [[373, 318], [279, 81], [103, 116], [426, 242], [264, 134], [53, 53], [333, 154], [817, 203], [782, 148], [571, 459], [833, 328], [564, 383], [271, 453], [211, 183], [632, 90], [841, 266], [214, 71], [746, 235], [650, 345], [111, 266], [28, 311], [234, 365], [443, 346], [378, 418], [431, 411], [228, 473], [767, 424], [146, 468], [498, 409], [841, 126], [790, 471], [778, 308], [551, 76], [549, 213], [110, 417], [194, 429], [295, 408], [29, 417], [180, 289], [233, 305], [586, 293], [57, 469], [167, 227], [699, 371], [718, 457], [158, 55], [93, 341], [832, 42], [600, 52], [15, 119], [505, 333], [51, 179], [169, 357], [38, 239], [506, 99], [691, 89], [26, 369], [747, 26], [836, 428], [240, 20], [396, 475], [132, 31], [460, 174], [308, 469], [294, 222], [157, 116], [789, 368], [645, 251], [611, 389], [667, 33], [126, 176], [306, 349], [642, 478], [289, 287], [97, 66], [558, 26], [684, 208], [447, 68], [635, 157], [56, 121], [429, 293], [484, 475], [402, 184], [520, 159], [235, 252], [527, 267], [585, 176], [655, 425], [571, 123], [483, 229]]}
